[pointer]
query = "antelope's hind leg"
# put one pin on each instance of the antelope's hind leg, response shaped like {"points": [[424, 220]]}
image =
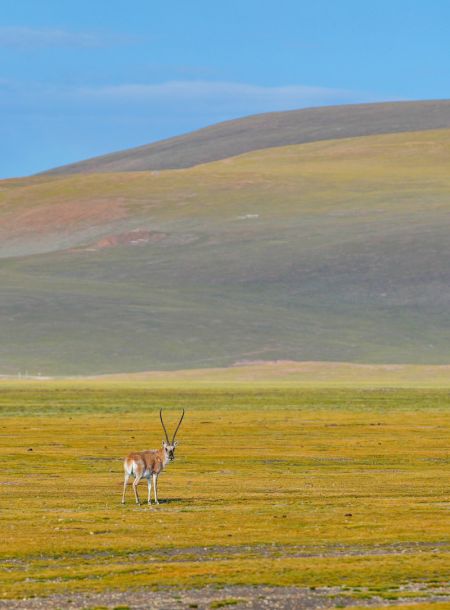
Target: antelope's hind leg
{"points": [[125, 483], [138, 472]]}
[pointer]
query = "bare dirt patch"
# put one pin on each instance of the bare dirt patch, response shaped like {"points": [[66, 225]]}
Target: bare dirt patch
{"points": [[282, 598], [206, 598]]}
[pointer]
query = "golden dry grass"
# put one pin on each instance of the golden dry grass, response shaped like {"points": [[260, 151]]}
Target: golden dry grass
{"points": [[289, 486]]}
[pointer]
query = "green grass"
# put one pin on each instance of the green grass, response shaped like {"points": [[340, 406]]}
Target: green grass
{"points": [[329, 251], [223, 603], [261, 492]]}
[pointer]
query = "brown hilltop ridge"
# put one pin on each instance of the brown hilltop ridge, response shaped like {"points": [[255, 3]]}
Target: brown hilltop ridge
{"points": [[268, 130]]}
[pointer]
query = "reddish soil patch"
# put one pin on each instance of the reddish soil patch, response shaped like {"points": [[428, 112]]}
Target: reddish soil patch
{"points": [[138, 237], [62, 216]]}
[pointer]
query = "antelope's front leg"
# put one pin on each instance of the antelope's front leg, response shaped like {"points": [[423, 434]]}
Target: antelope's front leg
{"points": [[155, 487], [149, 497]]}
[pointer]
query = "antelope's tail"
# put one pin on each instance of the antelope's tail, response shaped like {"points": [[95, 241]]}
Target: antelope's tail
{"points": [[128, 466]]}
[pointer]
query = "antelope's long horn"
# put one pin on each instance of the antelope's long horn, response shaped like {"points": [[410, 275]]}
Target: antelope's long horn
{"points": [[179, 424], [164, 427]]}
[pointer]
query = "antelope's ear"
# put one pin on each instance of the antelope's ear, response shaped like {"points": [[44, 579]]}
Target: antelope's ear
{"points": [[175, 443], [164, 444]]}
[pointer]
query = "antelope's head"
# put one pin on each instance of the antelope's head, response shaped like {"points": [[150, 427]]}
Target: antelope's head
{"points": [[169, 446]]}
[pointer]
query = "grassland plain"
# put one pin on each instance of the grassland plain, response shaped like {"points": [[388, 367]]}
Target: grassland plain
{"points": [[342, 490], [333, 250]]}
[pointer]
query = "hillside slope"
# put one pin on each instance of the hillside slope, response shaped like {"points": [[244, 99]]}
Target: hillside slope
{"points": [[268, 130], [334, 250]]}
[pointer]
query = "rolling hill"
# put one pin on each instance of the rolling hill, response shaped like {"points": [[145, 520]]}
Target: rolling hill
{"points": [[269, 130], [331, 250]]}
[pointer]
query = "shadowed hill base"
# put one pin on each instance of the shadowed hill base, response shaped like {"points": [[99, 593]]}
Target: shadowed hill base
{"points": [[334, 251], [267, 130], [298, 374]]}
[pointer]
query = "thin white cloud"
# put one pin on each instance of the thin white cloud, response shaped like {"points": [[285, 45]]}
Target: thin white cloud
{"points": [[208, 101], [217, 100], [213, 91], [27, 37]]}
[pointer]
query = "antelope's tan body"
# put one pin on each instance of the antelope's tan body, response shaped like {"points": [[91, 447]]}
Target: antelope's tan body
{"points": [[145, 463]]}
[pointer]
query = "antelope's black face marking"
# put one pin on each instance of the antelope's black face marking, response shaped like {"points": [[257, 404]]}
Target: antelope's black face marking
{"points": [[169, 451]]}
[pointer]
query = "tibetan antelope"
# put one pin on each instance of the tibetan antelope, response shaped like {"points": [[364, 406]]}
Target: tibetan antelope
{"points": [[149, 464]]}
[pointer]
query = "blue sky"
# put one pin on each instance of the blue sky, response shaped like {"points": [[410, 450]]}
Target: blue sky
{"points": [[83, 78]]}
